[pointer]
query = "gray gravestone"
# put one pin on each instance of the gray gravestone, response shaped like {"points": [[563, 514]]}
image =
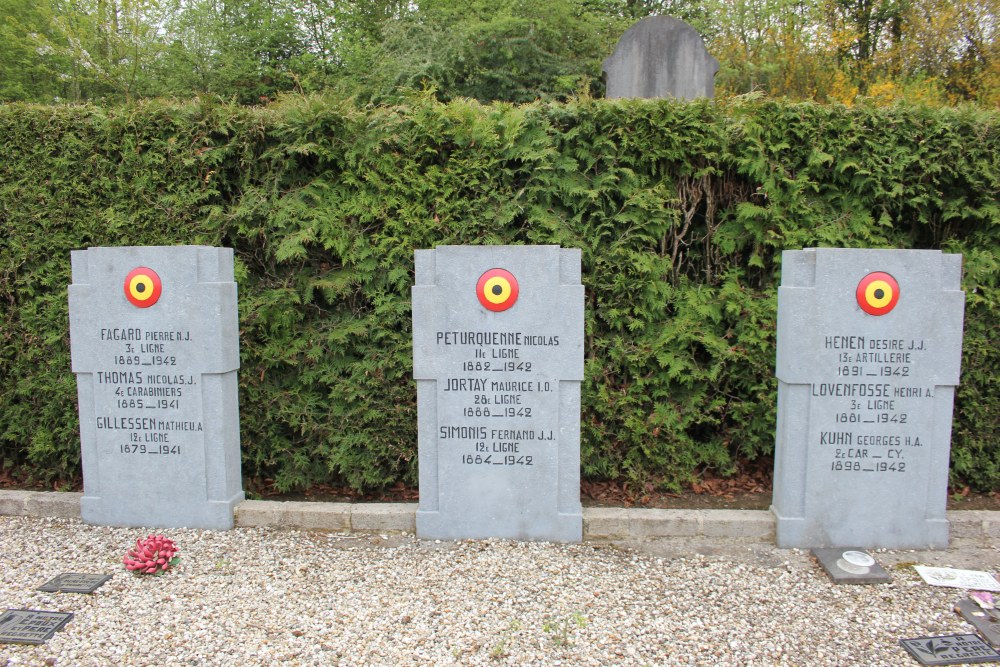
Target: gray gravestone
{"points": [[498, 360], [660, 57], [869, 349], [155, 349]]}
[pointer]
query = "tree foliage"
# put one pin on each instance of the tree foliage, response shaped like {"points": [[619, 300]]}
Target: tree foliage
{"points": [[926, 51], [514, 50], [931, 51], [242, 49]]}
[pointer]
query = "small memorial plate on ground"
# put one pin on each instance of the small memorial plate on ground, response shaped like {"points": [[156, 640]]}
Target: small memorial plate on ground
{"points": [[986, 621], [27, 626], [848, 565], [952, 578], [950, 650], [74, 582]]}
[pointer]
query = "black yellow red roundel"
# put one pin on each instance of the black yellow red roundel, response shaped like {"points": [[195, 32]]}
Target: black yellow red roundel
{"points": [[878, 293], [497, 290], [143, 287]]}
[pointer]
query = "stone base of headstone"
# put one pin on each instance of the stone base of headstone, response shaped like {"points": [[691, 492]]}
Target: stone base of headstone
{"points": [[155, 349], [568, 528]]}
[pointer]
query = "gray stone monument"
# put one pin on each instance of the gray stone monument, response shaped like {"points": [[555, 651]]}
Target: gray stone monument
{"points": [[660, 57], [869, 349], [155, 349], [498, 360]]}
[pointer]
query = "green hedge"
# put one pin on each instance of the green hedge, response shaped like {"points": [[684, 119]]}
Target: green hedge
{"points": [[681, 211]]}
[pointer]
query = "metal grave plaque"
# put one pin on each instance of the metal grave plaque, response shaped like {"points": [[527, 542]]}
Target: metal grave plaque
{"points": [[74, 582], [27, 626], [498, 360], [950, 650], [868, 356], [155, 348]]}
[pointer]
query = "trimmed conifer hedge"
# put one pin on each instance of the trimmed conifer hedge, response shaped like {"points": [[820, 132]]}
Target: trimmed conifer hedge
{"points": [[681, 211]]}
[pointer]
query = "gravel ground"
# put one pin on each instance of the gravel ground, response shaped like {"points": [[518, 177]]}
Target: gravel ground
{"points": [[274, 597]]}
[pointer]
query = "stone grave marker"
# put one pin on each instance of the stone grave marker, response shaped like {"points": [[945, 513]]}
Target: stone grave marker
{"points": [[949, 577], [851, 566], [869, 349], [29, 626], [498, 360], [985, 621], [155, 349], [958, 649], [660, 57], [74, 582]]}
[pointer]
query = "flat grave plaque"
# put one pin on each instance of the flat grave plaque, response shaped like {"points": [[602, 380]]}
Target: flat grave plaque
{"points": [[869, 347], [850, 566], [950, 577], [74, 582], [950, 650], [498, 360], [155, 349], [986, 621], [27, 626]]}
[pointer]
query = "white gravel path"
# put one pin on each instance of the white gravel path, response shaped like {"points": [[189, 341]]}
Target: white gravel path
{"points": [[273, 597]]}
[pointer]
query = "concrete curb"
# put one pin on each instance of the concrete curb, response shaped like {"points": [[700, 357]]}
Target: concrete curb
{"points": [[969, 528], [40, 504]]}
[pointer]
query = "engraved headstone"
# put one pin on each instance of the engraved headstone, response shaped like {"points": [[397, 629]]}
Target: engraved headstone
{"points": [[155, 349], [869, 349], [74, 582], [28, 626], [498, 360], [660, 57]]}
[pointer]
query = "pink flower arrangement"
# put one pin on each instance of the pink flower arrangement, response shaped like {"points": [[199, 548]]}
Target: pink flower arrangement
{"points": [[152, 555]]}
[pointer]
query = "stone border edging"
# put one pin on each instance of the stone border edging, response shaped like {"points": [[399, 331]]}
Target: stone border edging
{"points": [[969, 528]]}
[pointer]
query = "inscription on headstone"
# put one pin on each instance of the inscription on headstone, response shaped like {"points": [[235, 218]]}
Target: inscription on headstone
{"points": [[155, 349], [660, 57], [498, 360], [869, 349]]}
